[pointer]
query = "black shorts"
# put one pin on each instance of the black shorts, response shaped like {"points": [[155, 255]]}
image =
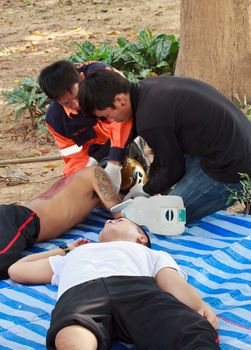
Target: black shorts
{"points": [[133, 310], [19, 230]]}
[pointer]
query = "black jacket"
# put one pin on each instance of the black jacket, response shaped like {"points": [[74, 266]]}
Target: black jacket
{"points": [[181, 116]]}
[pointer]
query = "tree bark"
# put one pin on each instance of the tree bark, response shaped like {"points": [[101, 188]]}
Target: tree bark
{"points": [[215, 45]]}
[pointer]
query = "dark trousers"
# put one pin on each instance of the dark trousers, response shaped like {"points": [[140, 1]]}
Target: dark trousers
{"points": [[201, 194], [19, 230], [132, 310]]}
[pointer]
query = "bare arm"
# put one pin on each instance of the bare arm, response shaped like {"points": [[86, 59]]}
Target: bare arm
{"points": [[104, 188], [35, 268], [170, 281]]}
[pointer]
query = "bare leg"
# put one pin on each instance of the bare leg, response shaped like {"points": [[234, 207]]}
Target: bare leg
{"points": [[75, 338]]}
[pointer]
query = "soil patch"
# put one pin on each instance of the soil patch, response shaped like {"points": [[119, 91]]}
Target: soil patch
{"points": [[36, 33]]}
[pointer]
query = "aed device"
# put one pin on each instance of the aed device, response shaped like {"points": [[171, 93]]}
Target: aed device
{"points": [[163, 215]]}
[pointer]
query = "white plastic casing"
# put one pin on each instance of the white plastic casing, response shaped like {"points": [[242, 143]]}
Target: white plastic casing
{"points": [[164, 215]]}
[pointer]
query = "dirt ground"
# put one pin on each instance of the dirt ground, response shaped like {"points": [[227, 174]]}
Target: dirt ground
{"points": [[36, 33]]}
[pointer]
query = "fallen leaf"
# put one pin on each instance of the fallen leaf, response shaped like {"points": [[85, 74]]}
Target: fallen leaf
{"points": [[44, 150], [113, 32], [15, 176], [77, 29], [36, 152], [50, 166], [37, 32]]}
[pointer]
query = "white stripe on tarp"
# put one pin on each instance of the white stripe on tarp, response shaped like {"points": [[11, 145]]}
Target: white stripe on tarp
{"points": [[231, 227], [21, 296], [203, 233], [235, 344], [27, 333], [14, 345]]}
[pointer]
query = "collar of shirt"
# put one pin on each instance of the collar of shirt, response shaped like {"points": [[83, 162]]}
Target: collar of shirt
{"points": [[70, 112], [134, 92]]}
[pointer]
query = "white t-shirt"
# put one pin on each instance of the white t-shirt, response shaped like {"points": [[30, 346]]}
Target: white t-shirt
{"points": [[118, 258]]}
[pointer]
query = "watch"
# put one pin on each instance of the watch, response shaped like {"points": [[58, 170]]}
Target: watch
{"points": [[65, 248]]}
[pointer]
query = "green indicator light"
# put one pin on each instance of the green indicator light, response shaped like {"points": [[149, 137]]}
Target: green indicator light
{"points": [[182, 215]]}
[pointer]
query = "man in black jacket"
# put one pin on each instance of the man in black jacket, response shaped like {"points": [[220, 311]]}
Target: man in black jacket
{"points": [[200, 139]]}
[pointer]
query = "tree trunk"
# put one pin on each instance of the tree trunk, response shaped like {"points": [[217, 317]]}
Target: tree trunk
{"points": [[215, 45]]}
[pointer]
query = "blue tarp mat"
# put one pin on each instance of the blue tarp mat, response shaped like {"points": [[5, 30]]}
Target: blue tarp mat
{"points": [[215, 252]]}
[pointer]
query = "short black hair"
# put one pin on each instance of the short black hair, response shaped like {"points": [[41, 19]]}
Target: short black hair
{"points": [[99, 88], [145, 229], [58, 78]]}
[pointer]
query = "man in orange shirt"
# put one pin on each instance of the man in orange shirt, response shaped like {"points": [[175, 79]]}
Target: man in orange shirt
{"points": [[81, 141]]}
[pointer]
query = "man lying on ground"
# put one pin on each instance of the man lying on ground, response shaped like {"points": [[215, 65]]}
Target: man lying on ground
{"points": [[52, 213], [119, 289]]}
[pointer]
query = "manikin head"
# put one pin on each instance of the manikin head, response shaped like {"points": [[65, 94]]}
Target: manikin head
{"points": [[123, 229], [60, 81], [105, 94]]}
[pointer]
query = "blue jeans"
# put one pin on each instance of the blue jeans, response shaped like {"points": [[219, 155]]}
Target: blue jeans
{"points": [[201, 194]]}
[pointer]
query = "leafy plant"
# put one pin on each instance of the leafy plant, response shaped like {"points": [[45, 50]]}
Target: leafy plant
{"points": [[243, 195], [27, 96], [147, 56], [243, 105]]}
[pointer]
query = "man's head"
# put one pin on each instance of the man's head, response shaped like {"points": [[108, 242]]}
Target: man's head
{"points": [[124, 230], [60, 81], [105, 94]]}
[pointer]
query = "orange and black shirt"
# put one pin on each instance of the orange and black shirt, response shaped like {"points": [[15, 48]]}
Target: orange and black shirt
{"points": [[74, 133]]}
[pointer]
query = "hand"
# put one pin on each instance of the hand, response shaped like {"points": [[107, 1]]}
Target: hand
{"points": [[206, 311], [114, 173], [78, 243]]}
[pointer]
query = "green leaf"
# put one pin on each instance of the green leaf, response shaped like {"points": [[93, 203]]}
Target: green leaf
{"points": [[162, 64], [144, 73], [19, 113], [19, 107], [132, 77], [137, 58], [145, 37], [122, 42]]}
